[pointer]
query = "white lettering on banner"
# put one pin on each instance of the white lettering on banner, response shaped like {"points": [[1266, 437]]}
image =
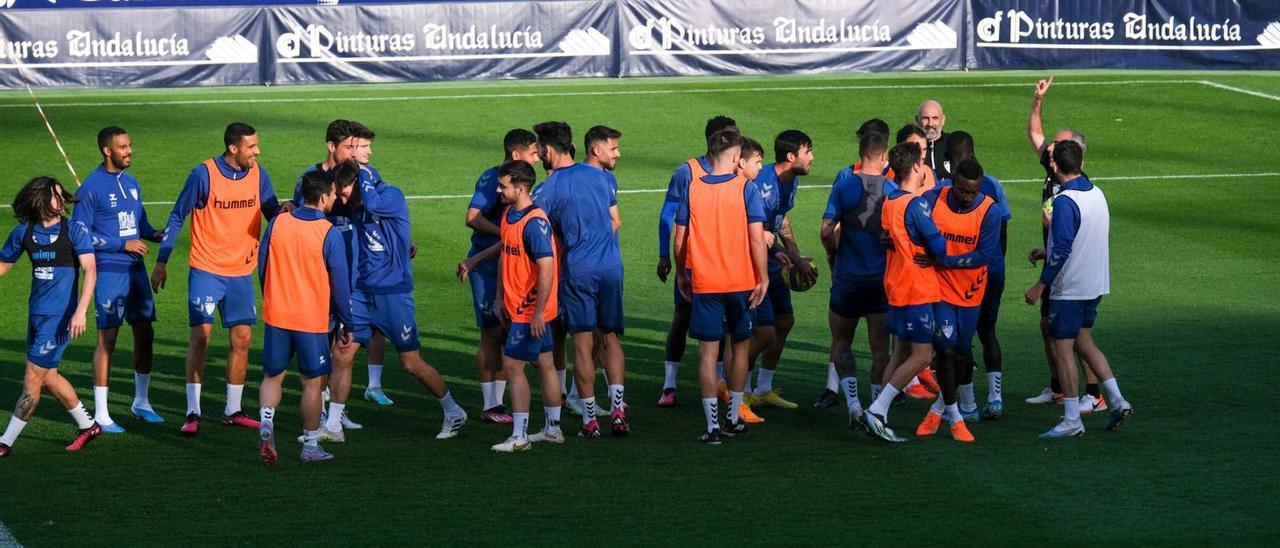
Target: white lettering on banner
{"points": [[788, 31], [1136, 27], [1012, 28], [82, 43], [661, 34], [440, 37], [319, 40], [28, 49]]}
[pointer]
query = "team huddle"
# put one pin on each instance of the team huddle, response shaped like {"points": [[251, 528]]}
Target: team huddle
{"points": [[915, 235]]}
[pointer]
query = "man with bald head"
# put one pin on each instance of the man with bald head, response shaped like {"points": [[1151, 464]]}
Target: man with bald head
{"points": [[1092, 400], [931, 118]]}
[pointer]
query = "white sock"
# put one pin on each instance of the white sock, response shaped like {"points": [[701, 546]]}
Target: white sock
{"points": [[193, 398], [1071, 409], [764, 381], [311, 438], [11, 433], [875, 391], [965, 393], [914, 382], [334, 420], [553, 419], [563, 386], [615, 399], [81, 416], [234, 393], [588, 409], [720, 370], [880, 406], [1113, 392], [375, 375], [953, 413], [499, 388], [939, 406], [450, 408], [486, 391], [850, 386], [520, 425], [735, 403], [833, 378], [993, 386], [711, 413], [267, 414], [573, 390], [142, 390], [100, 413], [671, 368]]}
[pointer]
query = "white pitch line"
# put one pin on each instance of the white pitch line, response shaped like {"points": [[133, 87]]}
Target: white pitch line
{"points": [[463, 96], [1112, 178], [1240, 90], [7, 539]]}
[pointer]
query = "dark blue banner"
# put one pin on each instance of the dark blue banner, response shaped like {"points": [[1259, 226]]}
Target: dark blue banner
{"points": [[1136, 34], [291, 41]]}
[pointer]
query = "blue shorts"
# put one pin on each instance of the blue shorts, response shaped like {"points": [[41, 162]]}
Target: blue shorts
{"points": [[121, 297], [522, 345], [776, 303], [991, 301], [854, 298], [913, 323], [47, 338], [1067, 318], [391, 314], [232, 297], [715, 313], [484, 292], [955, 326], [281, 345], [593, 301]]}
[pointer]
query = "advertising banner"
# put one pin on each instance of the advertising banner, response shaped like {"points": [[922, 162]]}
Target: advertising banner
{"points": [[1133, 34], [442, 41], [130, 48], [673, 37]]}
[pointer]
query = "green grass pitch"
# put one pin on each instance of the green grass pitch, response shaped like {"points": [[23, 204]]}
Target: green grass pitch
{"points": [[1190, 329]]}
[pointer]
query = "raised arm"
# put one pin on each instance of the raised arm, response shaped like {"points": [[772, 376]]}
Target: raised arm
{"points": [[1035, 124]]}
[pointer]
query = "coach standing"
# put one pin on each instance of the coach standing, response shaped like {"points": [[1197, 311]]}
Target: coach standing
{"points": [[931, 118]]}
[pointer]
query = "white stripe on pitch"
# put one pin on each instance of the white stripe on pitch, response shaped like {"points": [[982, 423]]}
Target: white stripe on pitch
{"points": [[1240, 90], [620, 92]]}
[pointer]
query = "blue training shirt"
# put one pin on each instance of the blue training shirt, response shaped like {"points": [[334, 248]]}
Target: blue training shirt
{"points": [[195, 195], [382, 227], [860, 255], [677, 190], [778, 198], [577, 199], [53, 289], [335, 263], [111, 207], [489, 202]]}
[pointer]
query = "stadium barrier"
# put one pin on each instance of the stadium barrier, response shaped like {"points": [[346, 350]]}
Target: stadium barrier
{"points": [[173, 43]]}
